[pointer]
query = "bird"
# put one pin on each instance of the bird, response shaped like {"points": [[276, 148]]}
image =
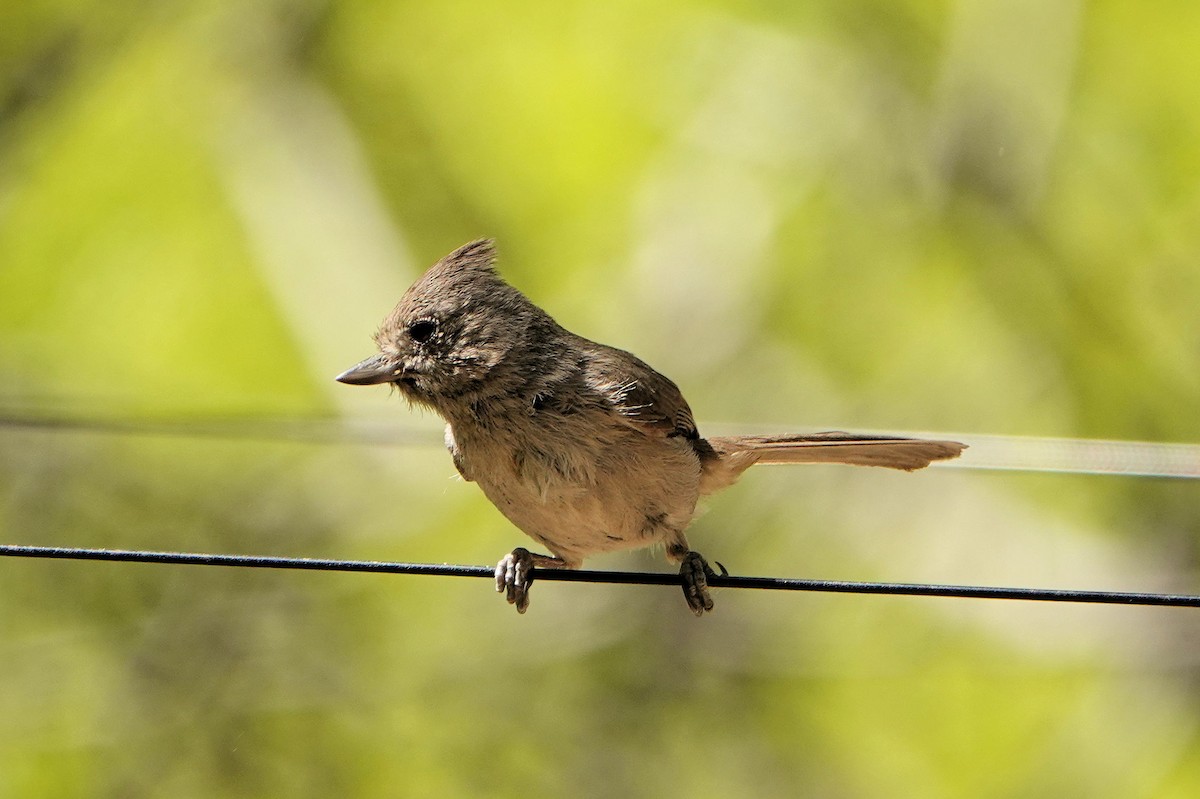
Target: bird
{"points": [[582, 446]]}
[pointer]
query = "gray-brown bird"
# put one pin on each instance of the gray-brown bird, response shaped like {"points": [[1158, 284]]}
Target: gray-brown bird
{"points": [[582, 446]]}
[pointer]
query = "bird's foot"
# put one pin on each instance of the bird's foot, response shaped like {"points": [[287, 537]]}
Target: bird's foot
{"points": [[514, 574], [694, 572]]}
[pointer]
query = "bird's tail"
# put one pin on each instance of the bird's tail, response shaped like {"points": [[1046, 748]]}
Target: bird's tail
{"points": [[735, 454]]}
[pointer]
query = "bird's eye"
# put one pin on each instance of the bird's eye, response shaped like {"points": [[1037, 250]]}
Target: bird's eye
{"points": [[420, 330]]}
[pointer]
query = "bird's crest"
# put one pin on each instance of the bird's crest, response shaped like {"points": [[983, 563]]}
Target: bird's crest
{"points": [[475, 257]]}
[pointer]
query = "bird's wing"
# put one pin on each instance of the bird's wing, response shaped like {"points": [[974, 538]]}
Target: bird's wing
{"points": [[647, 399]]}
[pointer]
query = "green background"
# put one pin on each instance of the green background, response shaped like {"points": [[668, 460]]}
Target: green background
{"points": [[978, 216]]}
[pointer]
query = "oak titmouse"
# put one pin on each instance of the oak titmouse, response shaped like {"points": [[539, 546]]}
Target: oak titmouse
{"points": [[582, 446]]}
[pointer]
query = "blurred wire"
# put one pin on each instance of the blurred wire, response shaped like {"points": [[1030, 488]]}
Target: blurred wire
{"points": [[301, 430], [619, 577], [1013, 453], [1080, 456]]}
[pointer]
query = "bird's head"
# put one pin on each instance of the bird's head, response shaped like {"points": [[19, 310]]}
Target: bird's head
{"points": [[450, 333]]}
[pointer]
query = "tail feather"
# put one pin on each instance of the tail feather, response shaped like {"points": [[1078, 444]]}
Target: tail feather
{"points": [[859, 450]]}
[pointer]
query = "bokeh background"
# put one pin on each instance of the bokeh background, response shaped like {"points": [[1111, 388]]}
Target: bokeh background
{"points": [[970, 216]]}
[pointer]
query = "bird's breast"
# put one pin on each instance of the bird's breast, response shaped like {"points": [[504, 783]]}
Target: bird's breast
{"points": [[597, 487]]}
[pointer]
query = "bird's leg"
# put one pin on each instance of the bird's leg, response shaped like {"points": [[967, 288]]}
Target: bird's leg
{"points": [[694, 572], [514, 574]]}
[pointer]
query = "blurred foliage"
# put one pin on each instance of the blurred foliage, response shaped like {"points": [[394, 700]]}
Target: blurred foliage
{"points": [[976, 216]]}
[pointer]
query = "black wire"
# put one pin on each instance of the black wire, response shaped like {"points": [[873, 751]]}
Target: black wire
{"points": [[620, 577]]}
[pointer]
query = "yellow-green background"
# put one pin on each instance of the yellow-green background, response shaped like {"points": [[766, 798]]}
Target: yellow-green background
{"points": [[977, 216]]}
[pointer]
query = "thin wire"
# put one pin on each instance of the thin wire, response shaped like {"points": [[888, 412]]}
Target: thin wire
{"points": [[304, 430], [1007, 453], [614, 577]]}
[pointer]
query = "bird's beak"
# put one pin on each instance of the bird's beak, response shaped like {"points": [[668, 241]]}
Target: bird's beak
{"points": [[373, 371]]}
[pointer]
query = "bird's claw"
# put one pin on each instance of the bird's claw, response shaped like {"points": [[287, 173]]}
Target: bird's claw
{"points": [[514, 575], [694, 572]]}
